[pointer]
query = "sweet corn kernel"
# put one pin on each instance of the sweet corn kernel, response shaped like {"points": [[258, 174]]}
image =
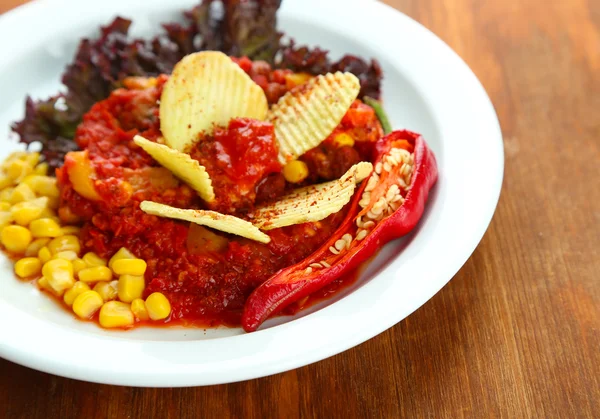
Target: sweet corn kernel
{"points": [[6, 194], [129, 267], [70, 230], [59, 273], [5, 181], [44, 254], [295, 171], [5, 206], [45, 285], [139, 309], [6, 218], [130, 287], [41, 169], [49, 213], [22, 192], [122, 253], [43, 185], [107, 290], [87, 303], [45, 227], [76, 290], [15, 239], [95, 274], [66, 255], [28, 267], [25, 212], [342, 140], [34, 247], [116, 314], [32, 159], [78, 266], [158, 306], [15, 155], [17, 169], [63, 243], [92, 259]]}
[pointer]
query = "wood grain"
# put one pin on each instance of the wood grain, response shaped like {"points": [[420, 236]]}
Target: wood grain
{"points": [[517, 332]]}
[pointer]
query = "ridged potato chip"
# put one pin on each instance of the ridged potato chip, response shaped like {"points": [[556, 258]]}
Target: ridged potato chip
{"points": [[181, 165], [206, 89], [212, 219], [312, 203], [307, 114]]}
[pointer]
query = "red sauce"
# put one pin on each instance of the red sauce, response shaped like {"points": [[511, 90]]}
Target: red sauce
{"points": [[206, 285]]}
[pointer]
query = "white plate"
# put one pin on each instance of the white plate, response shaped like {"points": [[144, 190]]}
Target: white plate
{"points": [[427, 88]]}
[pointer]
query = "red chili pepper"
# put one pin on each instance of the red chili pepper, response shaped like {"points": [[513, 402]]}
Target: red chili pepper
{"points": [[388, 205]]}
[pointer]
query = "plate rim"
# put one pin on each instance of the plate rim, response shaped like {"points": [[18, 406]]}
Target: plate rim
{"points": [[266, 363]]}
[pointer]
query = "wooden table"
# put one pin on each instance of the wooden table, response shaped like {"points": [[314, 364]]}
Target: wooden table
{"points": [[517, 332]]}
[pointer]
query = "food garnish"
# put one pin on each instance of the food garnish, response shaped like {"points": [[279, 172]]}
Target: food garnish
{"points": [[312, 203], [206, 89], [307, 114], [181, 165], [212, 219]]}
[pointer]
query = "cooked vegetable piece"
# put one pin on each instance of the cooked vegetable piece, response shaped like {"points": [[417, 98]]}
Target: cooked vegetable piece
{"points": [[312, 203], [380, 112], [207, 89], [307, 114], [389, 205], [182, 166], [212, 219]]}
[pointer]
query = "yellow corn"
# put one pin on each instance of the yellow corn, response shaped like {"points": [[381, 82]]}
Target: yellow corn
{"points": [[41, 169], [116, 314], [5, 206], [49, 213], [45, 227], [32, 159], [15, 239], [66, 255], [5, 181], [107, 290], [5, 219], [44, 285], [87, 303], [130, 287], [95, 274], [76, 290], [92, 259], [295, 171], [6, 194], [63, 243], [34, 247], [70, 230], [43, 185], [17, 169], [59, 273], [342, 139], [139, 309], [28, 267], [25, 212], [44, 254], [129, 267], [78, 265], [158, 306], [122, 253], [22, 192]]}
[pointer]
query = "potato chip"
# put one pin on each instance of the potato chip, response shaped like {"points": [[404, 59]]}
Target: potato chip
{"points": [[181, 165], [206, 89], [307, 114], [212, 219], [312, 203]]}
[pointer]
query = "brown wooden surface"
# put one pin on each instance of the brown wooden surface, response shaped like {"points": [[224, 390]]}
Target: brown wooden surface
{"points": [[517, 332]]}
